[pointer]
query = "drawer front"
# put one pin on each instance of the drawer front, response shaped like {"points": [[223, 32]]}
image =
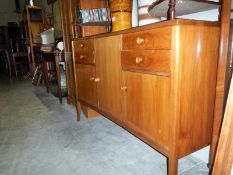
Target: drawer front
{"points": [[84, 51], [150, 39], [147, 61]]}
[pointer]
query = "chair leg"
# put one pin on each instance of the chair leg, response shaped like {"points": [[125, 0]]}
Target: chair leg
{"points": [[58, 77], [8, 63], [15, 66]]}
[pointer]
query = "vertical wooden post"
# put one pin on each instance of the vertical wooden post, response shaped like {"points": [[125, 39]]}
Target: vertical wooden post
{"points": [[221, 76], [171, 10], [224, 155], [67, 15]]}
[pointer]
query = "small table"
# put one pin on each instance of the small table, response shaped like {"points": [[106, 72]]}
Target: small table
{"points": [[53, 57]]}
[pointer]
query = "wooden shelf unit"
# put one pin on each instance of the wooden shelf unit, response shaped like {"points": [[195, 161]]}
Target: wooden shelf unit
{"points": [[93, 28], [103, 23], [33, 30]]}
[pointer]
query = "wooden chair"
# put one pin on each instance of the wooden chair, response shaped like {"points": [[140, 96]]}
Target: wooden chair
{"points": [[20, 56]]}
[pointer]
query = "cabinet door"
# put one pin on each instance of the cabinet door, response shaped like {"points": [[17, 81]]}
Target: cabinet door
{"points": [[86, 84], [108, 70], [146, 108]]}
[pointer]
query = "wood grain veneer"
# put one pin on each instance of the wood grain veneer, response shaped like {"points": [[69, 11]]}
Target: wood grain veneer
{"points": [[108, 70], [67, 29], [221, 77], [224, 156], [150, 39], [147, 61], [84, 51], [86, 85], [173, 111]]}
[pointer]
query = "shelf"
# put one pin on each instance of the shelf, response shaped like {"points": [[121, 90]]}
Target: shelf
{"points": [[103, 23], [183, 7]]}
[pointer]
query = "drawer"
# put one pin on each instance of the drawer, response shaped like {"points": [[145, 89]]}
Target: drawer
{"points": [[150, 39], [84, 51], [147, 61], [84, 45]]}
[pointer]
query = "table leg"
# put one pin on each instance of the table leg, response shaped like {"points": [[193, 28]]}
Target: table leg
{"points": [[58, 74], [45, 72], [172, 162]]}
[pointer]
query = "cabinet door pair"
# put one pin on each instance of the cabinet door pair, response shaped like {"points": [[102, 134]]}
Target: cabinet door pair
{"points": [[139, 100], [99, 84]]}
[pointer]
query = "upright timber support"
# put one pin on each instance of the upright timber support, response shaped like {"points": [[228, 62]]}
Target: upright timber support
{"points": [[221, 76]]}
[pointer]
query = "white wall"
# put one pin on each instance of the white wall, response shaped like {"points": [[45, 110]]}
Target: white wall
{"points": [[8, 12]]}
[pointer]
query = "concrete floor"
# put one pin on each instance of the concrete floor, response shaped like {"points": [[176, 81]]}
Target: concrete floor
{"points": [[39, 136]]}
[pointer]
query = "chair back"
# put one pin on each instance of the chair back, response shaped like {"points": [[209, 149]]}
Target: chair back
{"points": [[18, 45]]}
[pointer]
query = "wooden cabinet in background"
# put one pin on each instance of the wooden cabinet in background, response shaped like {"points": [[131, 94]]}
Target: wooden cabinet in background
{"points": [[89, 30], [159, 88], [67, 14], [33, 20], [69, 10]]}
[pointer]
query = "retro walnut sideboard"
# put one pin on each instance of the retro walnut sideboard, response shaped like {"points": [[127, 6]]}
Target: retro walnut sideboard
{"points": [[156, 81]]}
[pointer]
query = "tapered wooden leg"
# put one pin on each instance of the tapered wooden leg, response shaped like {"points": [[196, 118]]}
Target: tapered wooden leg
{"points": [[45, 74], [172, 167], [58, 74], [78, 110]]}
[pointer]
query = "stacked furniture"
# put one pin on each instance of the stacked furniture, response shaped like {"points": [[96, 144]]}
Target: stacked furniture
{"points": [[33, 20], [72, 28]]}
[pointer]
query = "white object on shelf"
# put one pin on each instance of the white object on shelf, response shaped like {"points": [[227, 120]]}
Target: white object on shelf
{"points": [[60, 46], [31, 2], [47, 37]]}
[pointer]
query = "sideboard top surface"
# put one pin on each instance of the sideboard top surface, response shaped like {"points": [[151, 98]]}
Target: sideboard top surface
{"points": [[156, 25]]}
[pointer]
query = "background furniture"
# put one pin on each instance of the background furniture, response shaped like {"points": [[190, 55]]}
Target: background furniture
{"points": [[71, 29], [4, 56], [157, 81], [20, 56], [51, 69], [33, 20], [5, 63], [67, 18], [91, 28]]}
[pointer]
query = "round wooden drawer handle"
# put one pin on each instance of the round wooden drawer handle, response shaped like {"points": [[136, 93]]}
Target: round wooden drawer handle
{"points": [[97, 80], [138, 60], [81, 45], [123, 88], [140, 40], [81, 57]]}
